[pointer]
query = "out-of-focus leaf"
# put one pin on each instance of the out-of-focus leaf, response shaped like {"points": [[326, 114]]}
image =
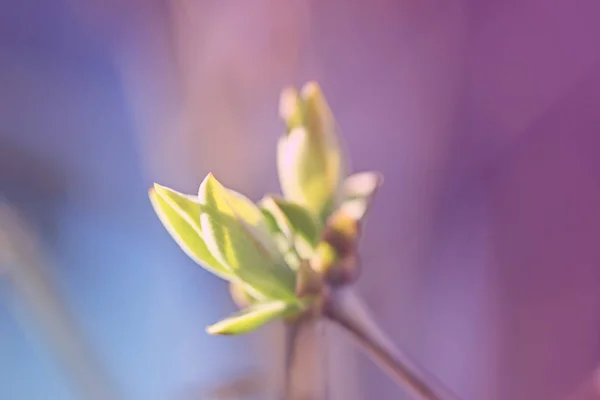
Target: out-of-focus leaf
{"points": [[253, 317], [250, 215], [302, 222], [285, 243], [310, 158], [301, 170], [180, 215], [362, 184], [239, 294], [359, 190], [237, 234], [291, 108], [295, 222]]}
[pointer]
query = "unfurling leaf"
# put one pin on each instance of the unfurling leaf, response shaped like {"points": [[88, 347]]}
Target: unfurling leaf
{"points": [[310, 158], [254, 317], [359, 190], [237, 235], [283, 256], [180, 215]]}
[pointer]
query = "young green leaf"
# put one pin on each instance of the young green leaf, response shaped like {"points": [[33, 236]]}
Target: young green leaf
{"points": [[253, 317], [310, 157], [237, 235], [284, 242], [180, 215], [295, 222]]}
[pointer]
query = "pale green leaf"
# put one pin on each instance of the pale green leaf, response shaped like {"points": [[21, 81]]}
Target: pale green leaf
{"points": [[253, 317], [236, 233], [295, 222], [310, 156], [253, 218], [301, 170], [301, 221], [285, 243], [180, 215], [321, 124]]}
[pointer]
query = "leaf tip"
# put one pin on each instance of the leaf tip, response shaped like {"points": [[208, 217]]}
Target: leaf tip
{"points": [[289, 103], [310, 89], [159, 189], [153, 196], [209, 179], [216, 330], [209, 184]]}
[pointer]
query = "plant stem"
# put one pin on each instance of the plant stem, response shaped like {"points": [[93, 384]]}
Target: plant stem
{"points": [[348, 312], [305, 374]]}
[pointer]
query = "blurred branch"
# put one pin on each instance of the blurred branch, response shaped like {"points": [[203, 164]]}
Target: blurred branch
{"points": [[20, 262], [347, 311], [589, 389], [306, 378], [28, 174], [305, 373]]}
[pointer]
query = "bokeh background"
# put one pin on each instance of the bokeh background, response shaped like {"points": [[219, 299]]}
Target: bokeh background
{"points": [[481, 253]]}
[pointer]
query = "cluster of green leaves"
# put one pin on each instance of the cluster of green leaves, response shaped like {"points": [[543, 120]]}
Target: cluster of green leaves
{"points": [[269, 252]]}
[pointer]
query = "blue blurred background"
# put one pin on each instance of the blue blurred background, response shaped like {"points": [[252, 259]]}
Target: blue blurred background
{"points": [[481, 254]]}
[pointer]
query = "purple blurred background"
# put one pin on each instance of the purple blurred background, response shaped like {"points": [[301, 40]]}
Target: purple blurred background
{"points": [[481, 255]]}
